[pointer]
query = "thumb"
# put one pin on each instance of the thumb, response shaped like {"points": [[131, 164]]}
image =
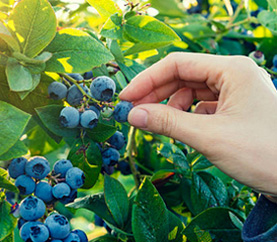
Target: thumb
{"points": [[195, 130]]}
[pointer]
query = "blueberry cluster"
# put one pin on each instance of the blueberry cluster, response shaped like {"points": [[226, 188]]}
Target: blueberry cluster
{"points": [[62, 186], [56, 227], [86, 115]]}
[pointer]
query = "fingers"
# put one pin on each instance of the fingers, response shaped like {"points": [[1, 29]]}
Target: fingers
{"points": [[183, 98], [206, 108], [183, 126]]}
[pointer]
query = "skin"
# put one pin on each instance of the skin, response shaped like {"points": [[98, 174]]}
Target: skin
{"points": [[233, 125]]}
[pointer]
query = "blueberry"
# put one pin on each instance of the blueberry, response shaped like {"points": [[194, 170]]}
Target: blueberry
{"points": [[17, 167], [61, 167], [75, 76], [257, 56], [82, 235], [102, 88], [20, 222], [75, 177], [275, 82], [39, 233], [25, 230], [44, 192], [89, 119], [72, 196], [55, 240], [32, 208], [98, 221], [117, 140], [69, 117], [274, 61], [10, 197], [57, 90], [88, 75], [124, 168], [25, 184], [58, 226], [61, 190], [37, 167], [94, 108], [107, 169], [72, 237], [74, 95], [110, 156], [121, 111]]}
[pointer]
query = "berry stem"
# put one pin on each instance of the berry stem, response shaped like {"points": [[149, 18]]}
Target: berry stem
{"points": [[130, 149]]}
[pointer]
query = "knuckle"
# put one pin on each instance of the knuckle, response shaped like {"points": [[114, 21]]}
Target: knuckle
{"points": [[168, 124], [243, 61]]}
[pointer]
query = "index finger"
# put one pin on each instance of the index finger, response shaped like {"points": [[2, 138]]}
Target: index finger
{"points": [[175, 69]]}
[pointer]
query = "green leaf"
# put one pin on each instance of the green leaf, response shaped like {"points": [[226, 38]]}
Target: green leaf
{"points": [[17, 150], [272, 4], [121, 80], [95, 203], [3, 59], [8, 38], [101, 132], [131, 68], [198, 161], [176, 228], [115, 50], [19, 77], [12, 124], [5, 183], [35, 82], [216, 222], [268, 20], [207, 191], [148, 30], [149, 215], [87, 157], [117, 200], [9, 238], [49, 116], [167, 8], [140, 47], [36, 98], [105, 238], [34, 28], [112, 28], [7, 220], [105, 8], [174, 155], [76, 51]]}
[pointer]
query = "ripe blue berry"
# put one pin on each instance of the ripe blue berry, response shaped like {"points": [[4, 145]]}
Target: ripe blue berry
{"points": [[110, 156], [82, 235], [98, 221], [37, 167], [31, 208], [61, 190], [69, 117], [25, 184], [88, 75], [25, 230], [20, 222], [61, 167], [17, 167], [10, 196], [121, 111], [39, 233], [57, 90], [107, 169], [117, 140], [75, 177], [76, 76], [94, 108], [72, 196], [55, 240], [275, 82], [74, 95], [124, 168], [102, 88], [44, 192], [89, 119], [72, 237], [58, 226], [274, 61]]}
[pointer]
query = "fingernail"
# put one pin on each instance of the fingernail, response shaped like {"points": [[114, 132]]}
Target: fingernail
{"points": [[138, 117]]}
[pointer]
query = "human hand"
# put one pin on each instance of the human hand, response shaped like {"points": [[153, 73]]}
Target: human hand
{"points": [[234, 125]]}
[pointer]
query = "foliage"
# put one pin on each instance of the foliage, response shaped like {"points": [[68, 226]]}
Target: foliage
{"points": [[173, 192]]}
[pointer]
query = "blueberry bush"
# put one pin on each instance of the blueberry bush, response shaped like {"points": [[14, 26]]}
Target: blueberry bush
{"points": [[72, 168]]}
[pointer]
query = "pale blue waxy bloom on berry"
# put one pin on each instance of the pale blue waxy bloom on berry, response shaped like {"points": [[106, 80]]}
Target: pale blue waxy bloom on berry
{"points": [[39, 233], [117, 140], [31, 208], [74, 95], [103, 88], [61, 190], [75, 178], [121, 111], [69, 117], [82, 235], [61, 167], [37, 167], [58, 226], [110, 156], [17, 167], [44, 192], [72, 237], [25, 184], [89, 119], [57, 90], [25, 230]]}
